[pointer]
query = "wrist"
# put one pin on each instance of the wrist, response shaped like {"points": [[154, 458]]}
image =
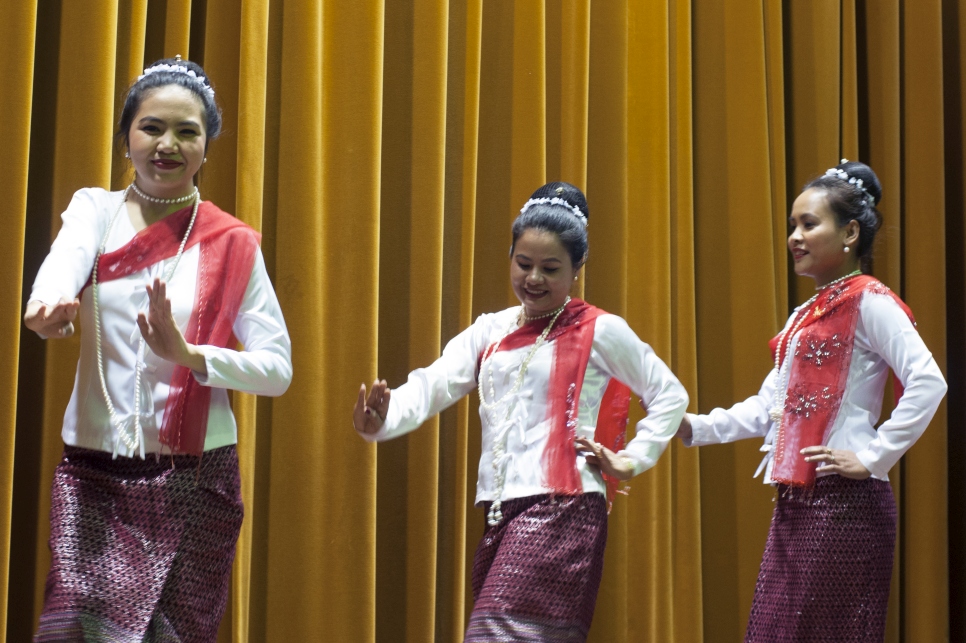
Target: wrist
{"points": [[195, 359]]}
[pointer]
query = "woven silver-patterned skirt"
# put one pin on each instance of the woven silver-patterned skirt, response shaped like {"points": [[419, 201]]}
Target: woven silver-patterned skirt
{"points": [[141, 550], [827, 565], [537, 572]]}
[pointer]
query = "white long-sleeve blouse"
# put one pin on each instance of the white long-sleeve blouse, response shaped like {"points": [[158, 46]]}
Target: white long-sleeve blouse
{"points": [[884, 339], [616, 352], [264, 367]]}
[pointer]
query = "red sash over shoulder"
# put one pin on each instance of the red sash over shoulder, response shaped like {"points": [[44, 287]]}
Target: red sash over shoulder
{"points": [[818, 372], [574, 336], [226, 256]]}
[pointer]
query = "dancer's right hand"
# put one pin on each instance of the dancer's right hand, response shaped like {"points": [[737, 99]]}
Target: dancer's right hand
{"points": [[370, 410], [51, 321]]}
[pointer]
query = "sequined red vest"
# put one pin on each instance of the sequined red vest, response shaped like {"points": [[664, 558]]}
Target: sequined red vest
{"points": [[818, 372]]}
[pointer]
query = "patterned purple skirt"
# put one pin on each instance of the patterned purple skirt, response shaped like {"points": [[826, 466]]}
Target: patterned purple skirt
{"points": [[536, 574], [827, 565], [141, 550]]}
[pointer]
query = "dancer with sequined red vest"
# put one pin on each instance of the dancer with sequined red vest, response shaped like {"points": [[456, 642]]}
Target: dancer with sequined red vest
{"points": [[554, 376], [146, 506], [827, 566]]}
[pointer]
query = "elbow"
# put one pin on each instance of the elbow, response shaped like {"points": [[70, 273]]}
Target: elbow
{"points": [[679, 394], [283, 378], [278, 375], [685, 400]]}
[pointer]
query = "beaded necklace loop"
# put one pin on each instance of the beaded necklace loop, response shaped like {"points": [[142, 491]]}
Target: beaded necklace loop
{"points": [[135, 441], [486, 366]]}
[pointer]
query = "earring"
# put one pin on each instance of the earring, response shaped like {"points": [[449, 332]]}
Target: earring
{"points": [[206, 160], [127, 155], [847, 249], [576, 277]]}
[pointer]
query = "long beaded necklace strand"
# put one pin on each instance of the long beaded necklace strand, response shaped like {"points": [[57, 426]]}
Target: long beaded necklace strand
{"points": [[135, 441], [486, 366], [781, 395]]}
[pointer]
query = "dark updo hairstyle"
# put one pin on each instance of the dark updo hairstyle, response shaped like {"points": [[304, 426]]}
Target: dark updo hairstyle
{"points": [[850, 202], [557, 218], [198, 84]]}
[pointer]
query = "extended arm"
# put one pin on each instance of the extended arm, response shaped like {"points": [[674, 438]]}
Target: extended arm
{"points": [[746, 419], [427, 391]]}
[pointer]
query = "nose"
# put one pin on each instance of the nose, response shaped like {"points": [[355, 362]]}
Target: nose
{"points": [[167, 143], [534, 276], [795, 236]]}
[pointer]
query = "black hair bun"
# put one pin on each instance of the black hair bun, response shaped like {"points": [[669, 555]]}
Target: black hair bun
{"points": [[870, 182], [566, 191]]}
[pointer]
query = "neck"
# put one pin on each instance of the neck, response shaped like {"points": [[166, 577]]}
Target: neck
{"points": [[182, 195], [852, 270], [153, 208], [153, 212], [526, 315]]}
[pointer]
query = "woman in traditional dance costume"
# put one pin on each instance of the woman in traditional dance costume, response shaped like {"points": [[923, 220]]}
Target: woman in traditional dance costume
{"points": [[827, 564], [146, 507], [554, 376]]}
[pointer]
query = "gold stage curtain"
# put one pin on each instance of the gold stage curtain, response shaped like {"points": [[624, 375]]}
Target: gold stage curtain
{"points": [[383, 149]]}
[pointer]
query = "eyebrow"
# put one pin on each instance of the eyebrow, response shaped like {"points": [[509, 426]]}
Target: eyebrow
{"points": [[525, 257], [155, 119]]}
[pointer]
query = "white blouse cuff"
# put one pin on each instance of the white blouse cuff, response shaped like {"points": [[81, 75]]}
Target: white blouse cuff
{"points": [[204, 378], [639, 465], [701, 432], [871, 462], [46, 296]]}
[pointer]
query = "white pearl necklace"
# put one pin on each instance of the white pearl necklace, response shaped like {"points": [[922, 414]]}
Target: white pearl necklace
{"points": [[486, 366], [135, 441], [154, 199], [781, 394], [526, 319]]}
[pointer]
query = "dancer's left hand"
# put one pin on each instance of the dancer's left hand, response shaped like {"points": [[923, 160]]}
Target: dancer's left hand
{"points": [[840, 461], [161, 332], [609, 462]]}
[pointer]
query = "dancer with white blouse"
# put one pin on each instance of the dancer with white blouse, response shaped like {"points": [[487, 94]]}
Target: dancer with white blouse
{"points": [[827, 566], [554, 376], [146, 505]]}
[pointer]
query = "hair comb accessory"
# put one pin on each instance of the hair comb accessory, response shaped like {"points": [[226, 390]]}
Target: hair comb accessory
{"points": [[201, 81], [556, 201]]}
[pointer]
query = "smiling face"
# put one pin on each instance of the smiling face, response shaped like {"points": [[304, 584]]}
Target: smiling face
{"points": [[167, 141], [817, 241], [541, 271]]}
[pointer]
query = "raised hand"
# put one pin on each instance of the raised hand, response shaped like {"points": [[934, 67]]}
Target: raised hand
{"points": [[161, 332], [609, 462], [840, 461], [370, 410], [51, 322]]}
